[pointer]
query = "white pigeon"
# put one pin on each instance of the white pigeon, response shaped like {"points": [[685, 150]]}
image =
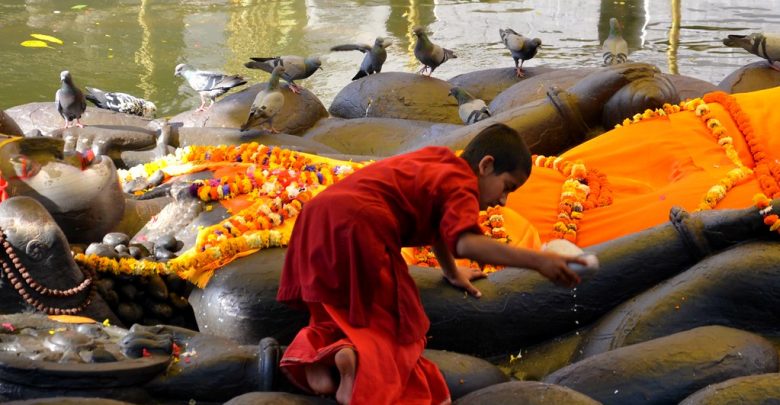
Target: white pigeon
{"points": [[615, 48], [376, 56], [121, 102], [208, 84], [428, 53], [295, 67], [470, 109], [763, 44], [267, 103], [522, 48], [69, 100]]}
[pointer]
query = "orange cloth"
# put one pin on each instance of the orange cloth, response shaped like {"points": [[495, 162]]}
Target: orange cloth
{"points": [[653, 165]]}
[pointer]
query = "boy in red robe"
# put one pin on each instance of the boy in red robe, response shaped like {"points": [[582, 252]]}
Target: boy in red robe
{"points": [[367, 326]]}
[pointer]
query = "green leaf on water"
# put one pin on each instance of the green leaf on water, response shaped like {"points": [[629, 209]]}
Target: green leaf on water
{"points": [[34, 44], [45, 37], [79, 7]]}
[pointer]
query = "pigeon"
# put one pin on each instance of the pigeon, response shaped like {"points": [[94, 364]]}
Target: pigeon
{"points": [[763, 44], [121, 102], [267, 103], [521, 48], [69, 100], [428, 53], [374, 59], [615, 47], [208, 84], [470, 109], [295, 67]]}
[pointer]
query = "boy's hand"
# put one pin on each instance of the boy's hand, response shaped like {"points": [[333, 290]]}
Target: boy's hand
{"points": [[462, 278], [555, 267]]}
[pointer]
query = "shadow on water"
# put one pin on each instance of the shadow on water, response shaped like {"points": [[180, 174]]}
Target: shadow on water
{"points": [[133, 46]]}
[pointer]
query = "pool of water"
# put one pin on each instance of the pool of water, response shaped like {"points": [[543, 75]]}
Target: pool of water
{"points": [[133, 46]]}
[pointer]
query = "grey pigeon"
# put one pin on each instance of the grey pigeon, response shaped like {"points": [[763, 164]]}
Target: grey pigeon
{"points": [[121, 102], [428, 53], [521, 48], [374, 59], [295, 67], [615, 48], [208, 84], [763, 44], [470, 109], [267, 103], [69, 100]]}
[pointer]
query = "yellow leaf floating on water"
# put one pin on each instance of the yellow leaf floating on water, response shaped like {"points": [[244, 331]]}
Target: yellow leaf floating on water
{"points": [[35, 44], [48, 38], [79, 7]]}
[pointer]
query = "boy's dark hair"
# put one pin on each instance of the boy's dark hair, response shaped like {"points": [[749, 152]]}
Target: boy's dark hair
{"points": [[505, 145]]}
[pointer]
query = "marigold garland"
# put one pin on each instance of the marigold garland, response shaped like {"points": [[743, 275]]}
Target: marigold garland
{"points": [[278, 183], [582, 190], [767, 170], [491, 222], [764, 205], [736, 176]]}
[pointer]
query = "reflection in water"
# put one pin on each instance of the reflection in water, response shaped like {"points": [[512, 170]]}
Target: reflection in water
{"points": [[674, 37], [264, 29], [632, 15], [132, 46], [404, 16], [143, 56]]}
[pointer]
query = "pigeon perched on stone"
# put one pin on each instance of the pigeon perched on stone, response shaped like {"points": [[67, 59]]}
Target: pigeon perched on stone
{"points": [[208, 84], [428, 53], [521, 48], [615, 48], [267, 103], [69, 100], [374, 59], [121, 102], [295, 67], [763, 44], [470, 109]]}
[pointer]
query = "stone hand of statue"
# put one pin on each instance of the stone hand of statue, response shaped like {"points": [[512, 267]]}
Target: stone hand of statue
{"points": [[204, 363], [462, 278], [555, 267]]}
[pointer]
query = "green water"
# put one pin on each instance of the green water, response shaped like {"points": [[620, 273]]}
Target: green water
{"points": [[133, 46]]}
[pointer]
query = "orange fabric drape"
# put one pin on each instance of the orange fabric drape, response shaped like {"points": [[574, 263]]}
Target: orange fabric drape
{"points": [[653, 165]]}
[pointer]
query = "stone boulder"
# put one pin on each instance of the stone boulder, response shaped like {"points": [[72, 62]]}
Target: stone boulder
{"points": [[43, 116], [8, 126], [300, 111], [487, 84], [397, 95], [277, 398], [526, 393], [465, 374], [375, 136], [186, 136], [755, 76], [668, 369], [535, 87], [753, 389], [717, 290]]}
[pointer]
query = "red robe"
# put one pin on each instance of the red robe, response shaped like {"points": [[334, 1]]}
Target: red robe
{"points": [[344, 264]]}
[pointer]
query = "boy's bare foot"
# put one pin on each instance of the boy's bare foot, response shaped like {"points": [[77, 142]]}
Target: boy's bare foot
{"points": [[346, 363], [320, 379]]}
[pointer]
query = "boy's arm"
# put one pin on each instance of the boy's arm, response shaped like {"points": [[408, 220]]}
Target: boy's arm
{"points": [[553, 266], [457, 276]]}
